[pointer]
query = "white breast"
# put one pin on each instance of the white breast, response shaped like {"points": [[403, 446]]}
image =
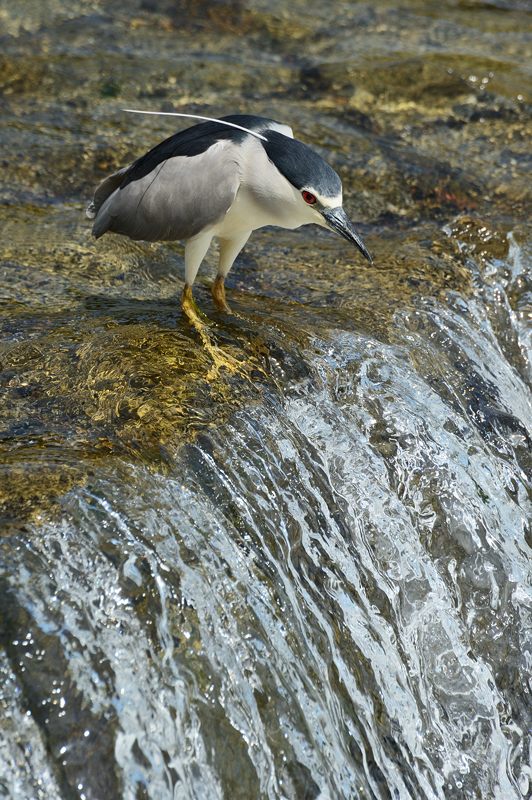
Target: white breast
{"points": [[265, 197]]}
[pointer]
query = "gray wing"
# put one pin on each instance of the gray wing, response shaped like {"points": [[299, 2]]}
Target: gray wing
{"points": [[180, 197]]}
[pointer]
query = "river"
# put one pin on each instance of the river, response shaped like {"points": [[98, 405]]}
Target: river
{"points": [[294, 564]]}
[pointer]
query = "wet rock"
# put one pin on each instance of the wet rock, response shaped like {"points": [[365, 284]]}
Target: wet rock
{"points": [[479, 237], [80, 744]]}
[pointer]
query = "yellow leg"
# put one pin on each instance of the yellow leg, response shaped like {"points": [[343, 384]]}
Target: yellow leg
{"points": [[200, 323], [190, 309], [218, 295]]}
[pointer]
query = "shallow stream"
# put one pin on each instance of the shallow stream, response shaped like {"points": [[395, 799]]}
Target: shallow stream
{"points": [[305, 574]]}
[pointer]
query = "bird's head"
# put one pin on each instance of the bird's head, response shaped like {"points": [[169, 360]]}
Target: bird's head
{"points": [[318, 185]]}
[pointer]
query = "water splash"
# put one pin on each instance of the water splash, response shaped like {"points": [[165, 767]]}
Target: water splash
{"points": [[328, 597]]}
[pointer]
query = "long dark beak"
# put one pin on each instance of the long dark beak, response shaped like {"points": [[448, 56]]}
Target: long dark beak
{"points": [[338, 221]]}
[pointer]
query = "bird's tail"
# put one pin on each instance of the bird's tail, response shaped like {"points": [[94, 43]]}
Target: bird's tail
{"points": [[104, 190]]}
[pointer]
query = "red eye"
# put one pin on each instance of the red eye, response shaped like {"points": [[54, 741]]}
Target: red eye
{"points": [[309, 198]]}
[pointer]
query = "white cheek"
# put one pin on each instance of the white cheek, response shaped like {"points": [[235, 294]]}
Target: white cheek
{"points": [[332, 202], [310, 213]]}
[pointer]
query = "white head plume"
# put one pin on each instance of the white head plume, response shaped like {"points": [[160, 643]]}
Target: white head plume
{"points": [[196, 116]]}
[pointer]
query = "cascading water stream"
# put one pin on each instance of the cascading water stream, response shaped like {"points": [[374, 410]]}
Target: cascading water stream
{"points": [[305, 575], [323, 597]]}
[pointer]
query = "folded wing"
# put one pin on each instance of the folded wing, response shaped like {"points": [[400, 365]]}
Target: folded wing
{"points": [[176, 198]]}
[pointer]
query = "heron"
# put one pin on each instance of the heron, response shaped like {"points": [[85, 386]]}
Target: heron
{"points": [[221, 178]]}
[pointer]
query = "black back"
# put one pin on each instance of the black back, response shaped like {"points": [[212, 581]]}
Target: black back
{"points": [[300, 164], [192, 142]]}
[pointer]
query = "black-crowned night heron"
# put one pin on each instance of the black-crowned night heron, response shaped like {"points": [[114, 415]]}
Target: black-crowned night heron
{"points": [[221, 178]]}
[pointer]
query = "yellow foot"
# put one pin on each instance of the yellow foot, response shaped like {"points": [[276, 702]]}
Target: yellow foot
{"points": [[199, 321], [190, 309], [218, 295]]}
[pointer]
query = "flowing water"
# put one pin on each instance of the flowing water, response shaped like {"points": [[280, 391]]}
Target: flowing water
{"points": [[292, 561]]}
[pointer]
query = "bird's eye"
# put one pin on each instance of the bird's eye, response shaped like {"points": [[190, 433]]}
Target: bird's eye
{"points": [[308, 197]]}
